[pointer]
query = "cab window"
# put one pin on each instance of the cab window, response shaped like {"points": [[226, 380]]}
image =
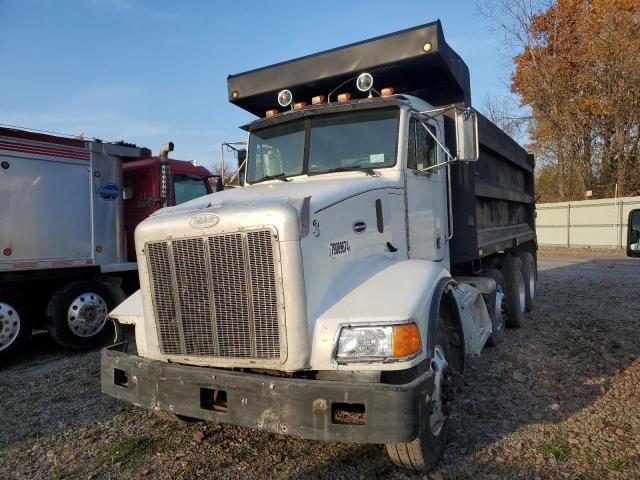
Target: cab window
{"points": [[423, 151], [186, 188]]}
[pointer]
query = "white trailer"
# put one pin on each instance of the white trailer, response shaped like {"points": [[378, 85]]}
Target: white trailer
{"points": [[62, 240]]}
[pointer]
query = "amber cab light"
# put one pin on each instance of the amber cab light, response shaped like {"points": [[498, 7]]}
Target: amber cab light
{"points": [[317, 99], [387, 91], [299, 105], [271, 113], [406, 340], [344, 97]]}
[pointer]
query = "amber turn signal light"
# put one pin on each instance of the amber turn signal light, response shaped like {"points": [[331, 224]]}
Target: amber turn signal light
{"points": [[406, 340]]}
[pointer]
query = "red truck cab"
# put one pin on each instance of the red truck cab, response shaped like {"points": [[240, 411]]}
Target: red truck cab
{"points": [[141, 180]]}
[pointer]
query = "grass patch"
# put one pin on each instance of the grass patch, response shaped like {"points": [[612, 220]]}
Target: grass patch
{"points": [[121, 450], [617, 466], [557, 449]]}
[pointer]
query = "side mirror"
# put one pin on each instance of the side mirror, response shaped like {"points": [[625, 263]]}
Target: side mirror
{"points": [[467, 135], [633, 234], [127, 193]]}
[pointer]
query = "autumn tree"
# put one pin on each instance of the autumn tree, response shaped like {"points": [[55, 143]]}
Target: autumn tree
{"points": [[577, 67]]}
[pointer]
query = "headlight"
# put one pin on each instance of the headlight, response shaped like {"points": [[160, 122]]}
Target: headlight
{"points": [[379, 342]]}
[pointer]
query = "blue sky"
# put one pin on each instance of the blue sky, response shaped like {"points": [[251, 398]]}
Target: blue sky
{"points": [[152, 71]]}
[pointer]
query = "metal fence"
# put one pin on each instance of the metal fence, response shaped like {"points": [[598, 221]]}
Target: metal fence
{"points": [[587, 223]]}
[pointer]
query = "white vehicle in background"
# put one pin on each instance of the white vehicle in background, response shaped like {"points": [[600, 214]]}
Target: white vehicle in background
{"points": [[384, 233]]}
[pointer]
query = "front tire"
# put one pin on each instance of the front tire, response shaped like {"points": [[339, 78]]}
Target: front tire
{"points": [[77, 315], [423, 452], [15, 324]]}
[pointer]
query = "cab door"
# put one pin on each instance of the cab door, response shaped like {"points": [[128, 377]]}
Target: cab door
{"points": [[426, 192]]}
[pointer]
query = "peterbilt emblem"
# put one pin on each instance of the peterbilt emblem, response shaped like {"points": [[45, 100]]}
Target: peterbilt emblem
{"points": [[359, 226], [204, 220]]}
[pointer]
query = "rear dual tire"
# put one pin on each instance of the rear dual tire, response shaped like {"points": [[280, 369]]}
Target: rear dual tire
{"points": [[515, 290], [77, 315], [15, 324]]}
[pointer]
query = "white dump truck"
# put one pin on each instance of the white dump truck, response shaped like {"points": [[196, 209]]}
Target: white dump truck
{"points": [[384, 233]]}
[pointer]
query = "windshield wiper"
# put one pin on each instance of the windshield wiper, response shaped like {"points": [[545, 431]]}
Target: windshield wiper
{"points": [[368, 170], [277, 176]]}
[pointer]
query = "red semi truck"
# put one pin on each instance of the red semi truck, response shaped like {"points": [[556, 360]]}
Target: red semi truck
{"points": [[69, 210]]}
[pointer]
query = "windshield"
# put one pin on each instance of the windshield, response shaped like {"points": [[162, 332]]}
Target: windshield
{"points": [[354, 140]]}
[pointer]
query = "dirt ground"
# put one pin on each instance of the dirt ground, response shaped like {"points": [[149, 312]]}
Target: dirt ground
{"points": [[560, 398]]}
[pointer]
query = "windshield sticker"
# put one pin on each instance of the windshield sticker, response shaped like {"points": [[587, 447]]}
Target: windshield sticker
{"points": [[376, 158], [338, 249]]}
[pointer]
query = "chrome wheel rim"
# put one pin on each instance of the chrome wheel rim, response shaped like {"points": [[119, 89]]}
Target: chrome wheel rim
{"points": [[9, 325], [440, 366], [87, 314]]}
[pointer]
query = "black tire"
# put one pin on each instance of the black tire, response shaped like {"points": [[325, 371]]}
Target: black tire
{"points": [[499, 309], [422, 453], [15, 324], [530, 273], [515, 290], [89, 298]]}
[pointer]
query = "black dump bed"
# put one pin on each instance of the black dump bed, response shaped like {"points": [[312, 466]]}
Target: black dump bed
{"points": [[492, 199]]}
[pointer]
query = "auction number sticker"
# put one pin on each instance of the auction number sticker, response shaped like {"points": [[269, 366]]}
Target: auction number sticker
{"points": [[338, 249]]}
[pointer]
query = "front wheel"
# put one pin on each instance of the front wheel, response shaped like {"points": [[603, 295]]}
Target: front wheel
{"points": [[77, 314], [423, 452], [15, 324]]}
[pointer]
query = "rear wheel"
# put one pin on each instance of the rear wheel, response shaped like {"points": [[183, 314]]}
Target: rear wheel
{"points": [[423, 452], [15, 324], [530, 279], [77, 315], [515, 291], [500, 308]]}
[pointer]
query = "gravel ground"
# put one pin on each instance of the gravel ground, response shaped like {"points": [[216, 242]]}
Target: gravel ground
{"points": [[559, 399]]}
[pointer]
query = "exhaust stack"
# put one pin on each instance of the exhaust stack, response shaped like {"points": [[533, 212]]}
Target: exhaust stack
{"points": [[164, 173]]}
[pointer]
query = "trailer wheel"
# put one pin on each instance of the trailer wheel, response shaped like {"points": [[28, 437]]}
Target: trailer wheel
{"points": [[530, 279], [423, 453], [15, 324], [515, 290], [77, 314], [500, 308]]}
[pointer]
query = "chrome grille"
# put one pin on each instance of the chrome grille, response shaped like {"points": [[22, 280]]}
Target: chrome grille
{"points": [[216, 296]]}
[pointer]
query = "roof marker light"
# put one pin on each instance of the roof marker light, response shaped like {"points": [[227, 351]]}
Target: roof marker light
{"points": [[235, 94], [317, 100], [285, 97], [427, 47], [271, 113], [387, 91], [299, 105], [364, 82], [344, 97]]}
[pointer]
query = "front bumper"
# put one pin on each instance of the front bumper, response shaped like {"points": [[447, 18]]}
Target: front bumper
{"points": [[300, 407]]}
